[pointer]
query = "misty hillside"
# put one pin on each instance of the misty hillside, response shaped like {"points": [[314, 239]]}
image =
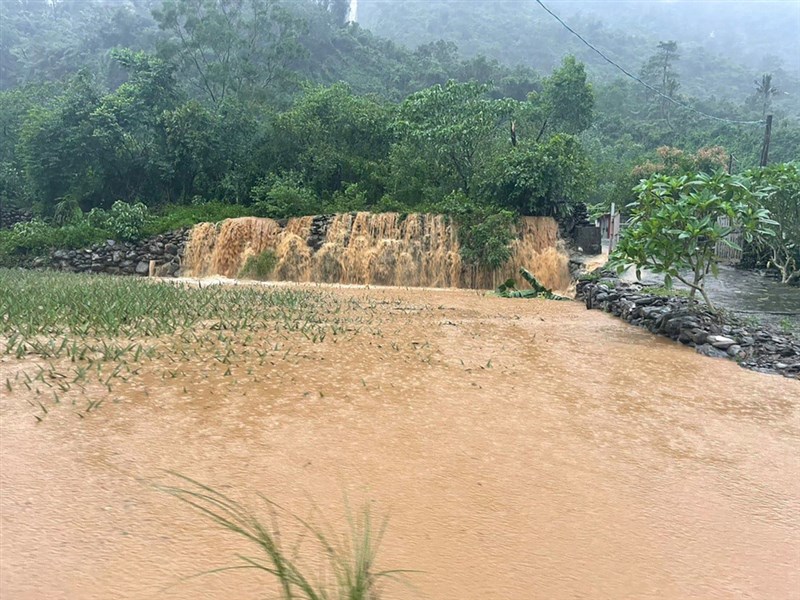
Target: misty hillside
{"points": [[723, 46], [284, 107]]}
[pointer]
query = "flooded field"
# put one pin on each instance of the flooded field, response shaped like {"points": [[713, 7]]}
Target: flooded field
{"points": [[520, 448]]}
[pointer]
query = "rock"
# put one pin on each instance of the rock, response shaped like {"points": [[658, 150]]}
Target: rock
{"points": [[171, 249], [651, 312], [650, 301], [720, 341], [709, 350], [143, 268], [759, 348], [733, 351]]}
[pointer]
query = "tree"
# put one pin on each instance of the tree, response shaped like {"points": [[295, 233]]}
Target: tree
{"points": [[485, 232], [675, 225], [57, 149], [764, 93], [335, 138], [339, 9], [454, 127], [128, 132], [15, 106], [659, 72], [545, 179], [779, 185], [565, 104], [94, 148], [239, 47]]}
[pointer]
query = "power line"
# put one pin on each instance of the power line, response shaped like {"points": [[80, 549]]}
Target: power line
{"points": [[635, 78]]}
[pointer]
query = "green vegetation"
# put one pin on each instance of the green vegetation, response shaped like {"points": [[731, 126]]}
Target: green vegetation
{"points": [[667, 292], [83, 332], [259, 266], [178, 216], [202, 110], [73, 229], [787, 326], [37, 237], [508, 289], [675, 226], [719, 53], [779, 187], [350, 559]]}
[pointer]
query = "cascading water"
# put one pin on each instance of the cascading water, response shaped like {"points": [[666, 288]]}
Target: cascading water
{"points": [[352, 12], [366, 248]]}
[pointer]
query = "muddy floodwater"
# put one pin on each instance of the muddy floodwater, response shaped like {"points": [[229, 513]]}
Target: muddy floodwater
{"points": [[521, 449]]}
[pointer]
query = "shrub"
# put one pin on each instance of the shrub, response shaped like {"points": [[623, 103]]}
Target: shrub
{"points": [[123, 221], [546, 179], [779, 186], [38, 237], [184, 216], [350, 200], [675, 227], [67, 211], [484, 231], [284, 196], [259, 266]]}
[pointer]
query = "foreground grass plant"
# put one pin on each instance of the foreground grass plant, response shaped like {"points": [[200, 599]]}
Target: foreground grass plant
{"points": [[350, 561]]}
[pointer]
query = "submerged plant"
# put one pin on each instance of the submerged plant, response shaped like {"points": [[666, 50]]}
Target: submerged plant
{"points": [[351, 560], [259, 266]]}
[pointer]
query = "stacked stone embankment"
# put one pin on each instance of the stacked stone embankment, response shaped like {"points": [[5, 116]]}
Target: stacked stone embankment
{"points": [[759, 348], [122, 258], [11, 216]]}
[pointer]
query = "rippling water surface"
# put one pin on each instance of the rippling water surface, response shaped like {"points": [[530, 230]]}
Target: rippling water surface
{"points": [[521, 449]]}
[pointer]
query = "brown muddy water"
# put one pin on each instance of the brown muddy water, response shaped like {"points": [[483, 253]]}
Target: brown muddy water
{"points": [[417, 249], [522, 449]]}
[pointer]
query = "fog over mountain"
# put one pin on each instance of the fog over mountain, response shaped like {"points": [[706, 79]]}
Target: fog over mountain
{"points": [[722, 45], [319, 106]]}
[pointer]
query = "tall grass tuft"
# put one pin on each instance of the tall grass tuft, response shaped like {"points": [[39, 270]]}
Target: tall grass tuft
{"points": [[350, 560]]}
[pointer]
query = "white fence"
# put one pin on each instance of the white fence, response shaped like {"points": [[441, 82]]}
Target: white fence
{"points": [[724, 252]]}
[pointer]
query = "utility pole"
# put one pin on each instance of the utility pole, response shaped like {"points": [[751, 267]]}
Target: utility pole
{"points": [[765, 149]]}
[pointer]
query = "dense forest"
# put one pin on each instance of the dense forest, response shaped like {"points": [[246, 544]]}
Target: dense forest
{"points": [[213, 108]]}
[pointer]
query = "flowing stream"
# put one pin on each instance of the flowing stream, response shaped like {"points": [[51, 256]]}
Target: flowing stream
{"points": [[748, 294], [521, 449]]}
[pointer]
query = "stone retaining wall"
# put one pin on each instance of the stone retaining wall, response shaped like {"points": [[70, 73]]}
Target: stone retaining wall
{"points": [[11, 216], [754, 347], [122, 258]]}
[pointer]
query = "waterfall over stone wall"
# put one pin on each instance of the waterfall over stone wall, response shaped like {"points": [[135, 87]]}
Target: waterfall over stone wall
{"points": [[367, 248]]}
